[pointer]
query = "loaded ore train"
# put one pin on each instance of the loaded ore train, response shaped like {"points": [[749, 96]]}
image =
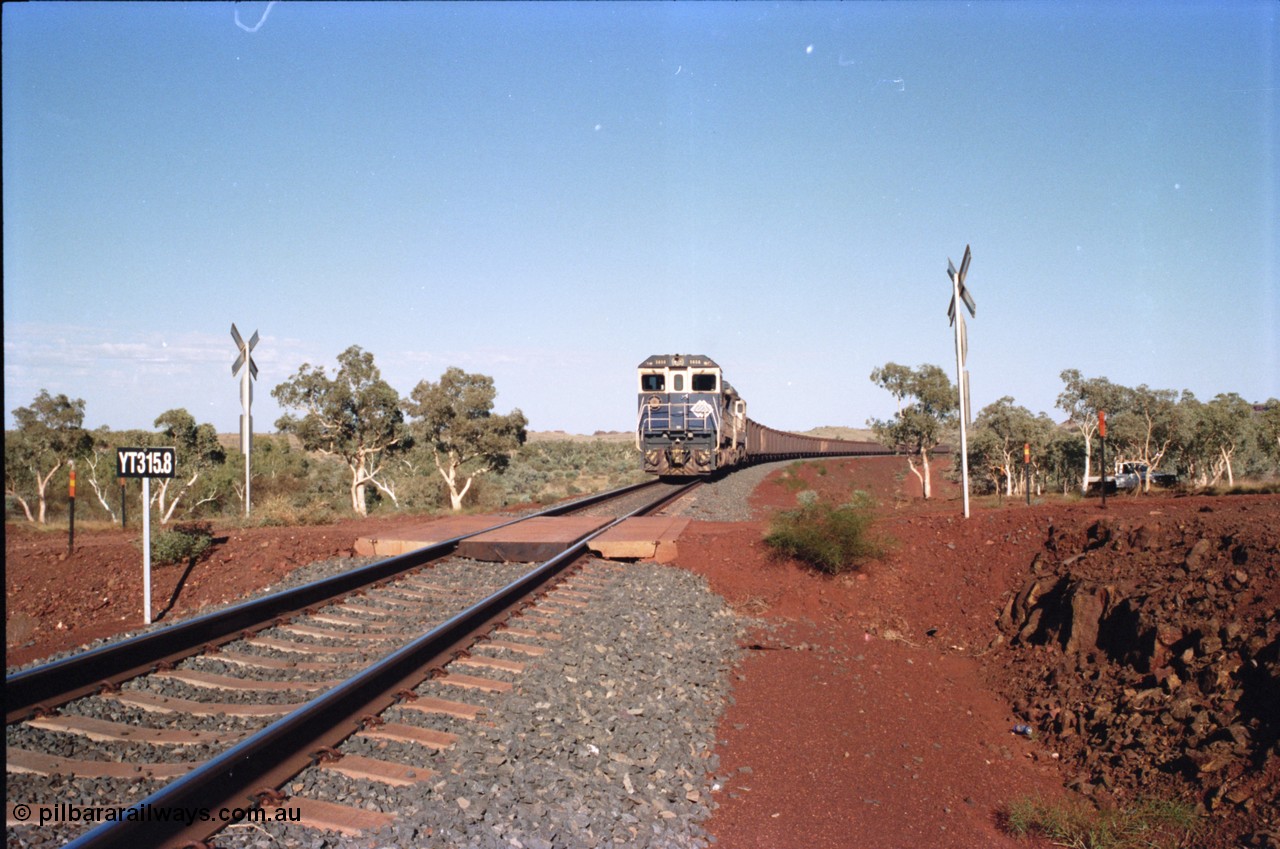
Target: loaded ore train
{"points": [[690, 422]]}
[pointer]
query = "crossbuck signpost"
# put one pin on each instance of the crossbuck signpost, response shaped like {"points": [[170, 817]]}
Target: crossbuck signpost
{"points": [[960, 293], [246, 399], [146, 463]]}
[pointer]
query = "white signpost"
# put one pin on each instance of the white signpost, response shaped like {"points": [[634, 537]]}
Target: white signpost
{"points": [[960, 293], [146, 463], [246, 399]]}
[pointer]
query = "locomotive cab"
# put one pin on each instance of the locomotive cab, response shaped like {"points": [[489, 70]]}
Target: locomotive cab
{"points": [[689, 420]]}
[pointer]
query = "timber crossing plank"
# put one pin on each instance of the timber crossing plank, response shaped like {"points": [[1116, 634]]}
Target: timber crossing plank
{"points": [[538, 539], [641, 538]]}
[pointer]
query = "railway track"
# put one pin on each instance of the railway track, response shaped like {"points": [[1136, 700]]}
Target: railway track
{"points": [[196, 720]]}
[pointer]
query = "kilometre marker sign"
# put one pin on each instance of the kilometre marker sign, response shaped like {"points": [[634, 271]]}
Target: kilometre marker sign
{"points": [[146, 462]]}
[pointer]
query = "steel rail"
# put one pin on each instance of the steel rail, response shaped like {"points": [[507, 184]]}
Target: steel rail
{"points": [[278, 752], [48, 686]]}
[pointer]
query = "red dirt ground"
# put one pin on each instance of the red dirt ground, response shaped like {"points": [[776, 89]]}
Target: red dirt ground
{"points": [[875, 712], [55, 601], [878, 712]]}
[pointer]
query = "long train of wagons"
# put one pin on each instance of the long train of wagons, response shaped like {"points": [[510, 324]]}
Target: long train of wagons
{"points": [[690, 421]]}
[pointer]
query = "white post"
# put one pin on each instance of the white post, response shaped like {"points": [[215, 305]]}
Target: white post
{"points": [[146, 551], [246, 428], [964, 440], [246, 482]]}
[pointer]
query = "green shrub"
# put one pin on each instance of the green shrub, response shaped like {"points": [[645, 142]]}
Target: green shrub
{"points": [[182, 543], [545, 471], [790, 478], [1151, 823], [830, 538]]}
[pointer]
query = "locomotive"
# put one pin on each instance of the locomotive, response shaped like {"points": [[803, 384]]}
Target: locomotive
{"points": [[690, 421]]}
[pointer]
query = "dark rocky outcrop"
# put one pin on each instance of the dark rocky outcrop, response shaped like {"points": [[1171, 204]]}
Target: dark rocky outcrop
{"points": [[1150, 656]]}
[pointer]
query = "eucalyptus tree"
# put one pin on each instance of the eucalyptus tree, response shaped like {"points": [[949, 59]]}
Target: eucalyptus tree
{"points": [[1268, 430], [453, 420], [1063, 457], [100, 462], [1082, 399], [354, 416], [1148, 426], [19, 472], [50, 434], [1001, 430], [984, 460], [1222, 426], [198, 453], [927, 408]]}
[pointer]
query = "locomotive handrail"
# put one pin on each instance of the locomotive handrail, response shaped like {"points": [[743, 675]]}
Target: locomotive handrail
{"points": [[651, 418]]}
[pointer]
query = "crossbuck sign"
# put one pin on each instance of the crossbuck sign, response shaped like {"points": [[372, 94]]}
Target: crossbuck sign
{"points": [[960, 293], [247, 376]]}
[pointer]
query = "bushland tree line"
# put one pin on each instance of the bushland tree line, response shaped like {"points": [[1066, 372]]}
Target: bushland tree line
{"points": [[347, 431], [352, 433], [1203, 442]]}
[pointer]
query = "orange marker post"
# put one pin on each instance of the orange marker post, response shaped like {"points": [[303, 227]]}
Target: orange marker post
{"points": [[71, 528]]}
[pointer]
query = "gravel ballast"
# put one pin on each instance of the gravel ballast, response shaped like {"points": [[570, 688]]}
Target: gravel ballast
{"points": [[726, 498], [605, 740]]}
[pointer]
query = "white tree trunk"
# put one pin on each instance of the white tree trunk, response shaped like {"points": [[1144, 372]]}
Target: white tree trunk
{"points": [[449, 472], [361, 477], [915, 471], [97, 490], [167, 510], [1088, 457], [26, 508], [456, 495], [1216, 468], [357, 494], [42, 485]]}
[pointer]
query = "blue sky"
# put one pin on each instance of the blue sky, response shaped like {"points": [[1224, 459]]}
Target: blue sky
{"points": [[549, 193]]}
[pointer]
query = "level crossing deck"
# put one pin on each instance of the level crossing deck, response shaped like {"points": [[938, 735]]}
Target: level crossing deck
{"points": [[539, 538]]}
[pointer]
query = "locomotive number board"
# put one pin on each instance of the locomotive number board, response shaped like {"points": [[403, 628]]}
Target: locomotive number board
{"points": [[146, 462]]}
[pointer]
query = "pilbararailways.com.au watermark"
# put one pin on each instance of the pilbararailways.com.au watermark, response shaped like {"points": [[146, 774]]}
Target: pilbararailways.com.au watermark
{"points": [[61, 812]]}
